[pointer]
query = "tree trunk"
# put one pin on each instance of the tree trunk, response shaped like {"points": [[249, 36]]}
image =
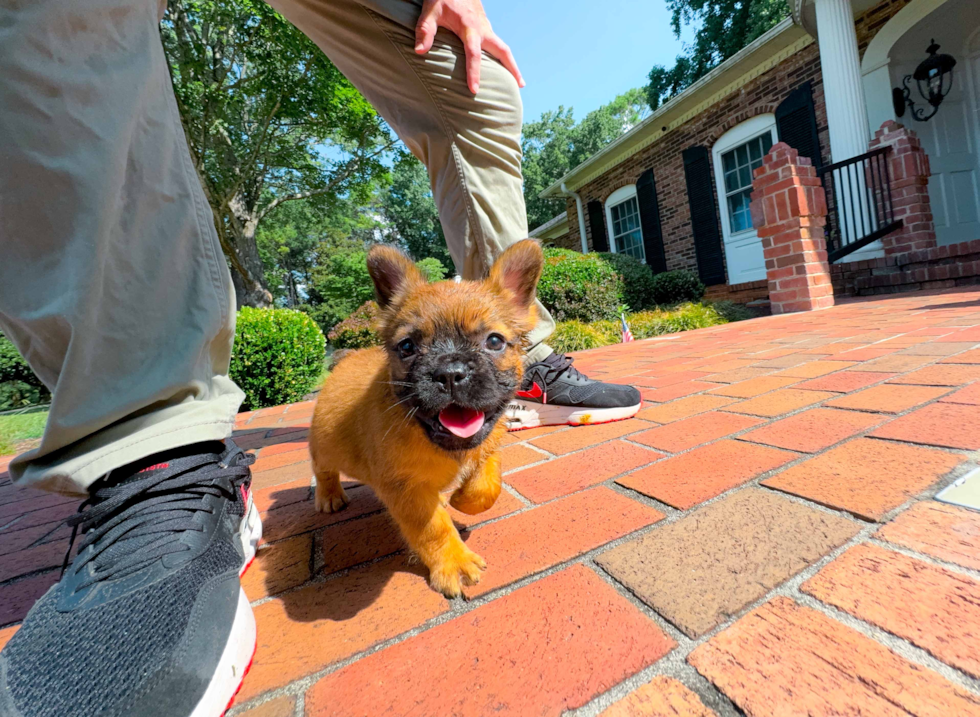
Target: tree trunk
{"points": [[247, 272]]}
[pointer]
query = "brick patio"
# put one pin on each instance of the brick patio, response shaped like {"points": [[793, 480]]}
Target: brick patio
{"points": [[761, 538]]}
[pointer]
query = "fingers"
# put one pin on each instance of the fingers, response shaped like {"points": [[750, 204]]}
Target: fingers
{"points": [[425, 30], [474, 53], [499, 49]]}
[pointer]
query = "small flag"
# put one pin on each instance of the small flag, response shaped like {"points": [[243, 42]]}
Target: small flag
{"points": [[627, 334]]}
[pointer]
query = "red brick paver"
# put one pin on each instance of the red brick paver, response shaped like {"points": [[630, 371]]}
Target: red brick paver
{"points": [[888, 398], [866, 477], [813, 430], [526, 653], [929, 606], [943, 531], [941, 424], [682, 435], [691, 478], [660, 697], [784, 659]]}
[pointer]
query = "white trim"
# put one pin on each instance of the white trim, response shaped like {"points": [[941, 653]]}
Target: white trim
{"points": [[737, 135], [618, 197]]}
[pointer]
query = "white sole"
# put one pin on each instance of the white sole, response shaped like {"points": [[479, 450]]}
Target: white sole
{"points": [[525, 414], [234, 663], [236, 657]]}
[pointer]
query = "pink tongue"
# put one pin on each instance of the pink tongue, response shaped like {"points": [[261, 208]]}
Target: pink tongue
{"points": [[463, 422]]}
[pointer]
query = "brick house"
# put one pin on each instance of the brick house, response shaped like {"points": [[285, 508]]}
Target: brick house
{"points": [[676, 190]]}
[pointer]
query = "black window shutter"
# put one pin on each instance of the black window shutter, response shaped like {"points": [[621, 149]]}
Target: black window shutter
{"points": [[704, 215], [796, 123], [653, 238], [597, 222]]}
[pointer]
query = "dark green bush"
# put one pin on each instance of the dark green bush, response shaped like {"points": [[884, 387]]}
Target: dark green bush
{"points": [[638, 285], [278, 356], [579, 287], [357, 331], [675, 287], [18, 384]]}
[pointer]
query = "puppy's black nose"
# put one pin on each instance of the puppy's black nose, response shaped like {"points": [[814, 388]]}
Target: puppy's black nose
{"points": [[452, 374]]}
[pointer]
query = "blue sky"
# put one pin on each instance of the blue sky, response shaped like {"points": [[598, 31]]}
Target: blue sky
{"points": [[582, 53]]}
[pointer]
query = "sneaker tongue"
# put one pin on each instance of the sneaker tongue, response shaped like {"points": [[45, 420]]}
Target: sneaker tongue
{"points": [[462, 422]]}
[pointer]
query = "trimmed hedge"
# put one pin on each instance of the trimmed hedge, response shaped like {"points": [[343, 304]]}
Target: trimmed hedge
{"points": [[19, 386], [638, 282], [278, 356], [580, 287], [675, 287], [359, 330], [578, 336]]}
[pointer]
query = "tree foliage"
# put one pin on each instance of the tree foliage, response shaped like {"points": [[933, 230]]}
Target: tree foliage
{"points": [[411, 211], [724, 28], [269, 120], [556, 143]]}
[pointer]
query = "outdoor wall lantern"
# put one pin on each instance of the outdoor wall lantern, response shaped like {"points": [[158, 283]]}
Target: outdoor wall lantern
{"points": [[934, 76]]}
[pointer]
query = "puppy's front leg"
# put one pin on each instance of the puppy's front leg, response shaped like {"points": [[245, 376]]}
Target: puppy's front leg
{"points": [[479, 492], [430, 532]]}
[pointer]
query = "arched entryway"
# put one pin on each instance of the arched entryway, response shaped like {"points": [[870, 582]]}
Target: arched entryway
{"points": [[951, 136]]}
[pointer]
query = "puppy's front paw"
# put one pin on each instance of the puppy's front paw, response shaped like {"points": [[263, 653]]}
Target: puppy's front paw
{"points": [[456, 567], [330, 500]]}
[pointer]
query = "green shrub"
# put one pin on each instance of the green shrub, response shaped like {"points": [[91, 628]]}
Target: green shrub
{"points": [[675, 287], [734, 312], [638, 284], [432, 268], [579, 287], [357, 331], [577, 336], [278, 356], [683, 318], [18, 385]]}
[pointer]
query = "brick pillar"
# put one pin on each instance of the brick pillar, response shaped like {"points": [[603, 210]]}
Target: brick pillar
{"points": [[908, 165], [789, 211]]}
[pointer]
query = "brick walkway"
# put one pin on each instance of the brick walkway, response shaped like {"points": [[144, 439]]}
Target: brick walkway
{"points": [[761, 537]]}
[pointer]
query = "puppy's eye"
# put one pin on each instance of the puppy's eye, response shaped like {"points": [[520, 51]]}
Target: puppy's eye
{"points": [[495, 342], [406, 348]]}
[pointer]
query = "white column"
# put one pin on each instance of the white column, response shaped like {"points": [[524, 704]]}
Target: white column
{"points": [[847, 115]]}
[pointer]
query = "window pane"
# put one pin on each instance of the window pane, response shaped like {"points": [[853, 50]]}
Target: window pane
{"points": [[627, 234], [728, 160], [744, 177], [743, 155], [731, 181], [766, 143], [740, 218], [755, 150]]}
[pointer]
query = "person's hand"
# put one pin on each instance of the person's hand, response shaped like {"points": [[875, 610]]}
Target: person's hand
{"points": [[467, 19]]}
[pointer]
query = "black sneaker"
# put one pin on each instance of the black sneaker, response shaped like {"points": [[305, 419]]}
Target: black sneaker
{"points": [[150, 619], [555, 393]]}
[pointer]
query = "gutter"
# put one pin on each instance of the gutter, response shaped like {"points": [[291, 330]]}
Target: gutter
{"points": [[581, 216]]}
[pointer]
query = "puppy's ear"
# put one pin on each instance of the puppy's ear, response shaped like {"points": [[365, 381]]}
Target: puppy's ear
{"points": [[391, 271], [517, 270]]}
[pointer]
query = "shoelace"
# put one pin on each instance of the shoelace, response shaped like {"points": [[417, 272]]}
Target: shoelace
{"points": [[557, 364], [134, 523]]}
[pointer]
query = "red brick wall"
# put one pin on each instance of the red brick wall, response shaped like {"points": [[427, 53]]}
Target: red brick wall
{"points": [[871, 21], [759, 96]]}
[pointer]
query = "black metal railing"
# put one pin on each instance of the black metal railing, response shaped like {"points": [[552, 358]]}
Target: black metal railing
{"points": [[859, 202]]}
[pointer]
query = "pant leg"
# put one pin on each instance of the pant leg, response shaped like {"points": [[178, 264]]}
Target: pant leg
{"points": [[470, 145], [112, 282]]}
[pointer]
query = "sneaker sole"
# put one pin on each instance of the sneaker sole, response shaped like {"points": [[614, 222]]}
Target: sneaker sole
{"points": [[236, 658], [522, 415]]}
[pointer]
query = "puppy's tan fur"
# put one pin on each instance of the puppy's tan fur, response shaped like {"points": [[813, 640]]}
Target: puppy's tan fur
{"points": [[362, 429]]}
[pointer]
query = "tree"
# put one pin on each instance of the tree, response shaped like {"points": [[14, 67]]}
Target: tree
{"points": [[724, 28], [411, 211], [555, 144], [269, 120]]}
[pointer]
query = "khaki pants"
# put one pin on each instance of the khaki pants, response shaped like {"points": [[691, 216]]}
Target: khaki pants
{"points": [[112, 282]]}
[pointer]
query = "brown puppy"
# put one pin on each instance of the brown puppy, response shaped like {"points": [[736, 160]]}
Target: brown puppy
{"points": [[422, 413]]}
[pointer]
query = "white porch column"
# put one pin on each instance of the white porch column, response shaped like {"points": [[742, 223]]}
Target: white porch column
{"points": [[847, 115]]}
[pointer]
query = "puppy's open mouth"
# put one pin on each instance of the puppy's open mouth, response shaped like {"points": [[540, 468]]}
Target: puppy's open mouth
{"points": [[461, 421]]}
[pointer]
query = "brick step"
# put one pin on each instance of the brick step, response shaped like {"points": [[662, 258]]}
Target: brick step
{"points": [[935, 268]]}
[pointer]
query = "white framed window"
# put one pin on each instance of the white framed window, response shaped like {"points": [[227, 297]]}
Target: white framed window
{"points": [[623, 223], [736, 155]]}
